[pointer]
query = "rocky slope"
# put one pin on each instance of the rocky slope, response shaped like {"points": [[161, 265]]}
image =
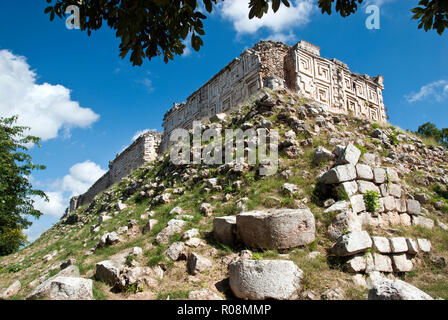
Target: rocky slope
{"points": [[356, 210]]}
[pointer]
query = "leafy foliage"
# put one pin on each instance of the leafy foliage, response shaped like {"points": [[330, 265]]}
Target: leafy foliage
{"points": [[371, 200], [429, 129], [159, 27], [16, 192]]}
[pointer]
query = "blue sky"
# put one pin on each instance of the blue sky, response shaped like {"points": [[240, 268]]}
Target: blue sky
{"points": [[87, 103]]}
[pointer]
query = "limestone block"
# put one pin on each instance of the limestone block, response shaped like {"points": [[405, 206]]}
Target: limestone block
{"points": [[261, 279], [379, 175], [276, 228], [224, 229], [339, 174], [381, 244], [364, 172], [350, 155], [398, 244], [352, 243]]}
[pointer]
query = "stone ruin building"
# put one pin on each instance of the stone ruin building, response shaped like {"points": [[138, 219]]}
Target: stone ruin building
{"points": [[144, 149], [276, 65], [268, 64]]}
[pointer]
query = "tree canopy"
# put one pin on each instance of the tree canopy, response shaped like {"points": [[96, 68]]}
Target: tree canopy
{"points": [[429, 129], [16, 192], [153, 28]]}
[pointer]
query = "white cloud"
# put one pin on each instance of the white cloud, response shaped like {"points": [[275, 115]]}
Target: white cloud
{"points": [[437, 90], [147, 84], [56, 205], [237, 11], [82, 175], [45, 108]]}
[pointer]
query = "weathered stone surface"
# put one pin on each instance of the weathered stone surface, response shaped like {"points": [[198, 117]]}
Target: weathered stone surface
{"points": [[385, 289], [358, 204], [398, 245], [64, 288], [108, 271], [344, 222], [401, 206], [11, 291], [405, 220], [350, 187], [412, 246], [174, 226], [381, 244], [338, 174], [322, 155], [176, 251], [261, 279], [395, 190], [402, 263], [379, 175], [356, 264], [392, 175], [423, 222], [424, 245], [276, 228], [364, 186], [382, 263], [352, 243], [364, 172], [350, 155], [414, 207], [206, 209], [422, 198], [197, 263], [149, 225], [389, 203], [192, 233], [290, 189], [338, 207], [203, 294], [44, 288], [224, 229]]}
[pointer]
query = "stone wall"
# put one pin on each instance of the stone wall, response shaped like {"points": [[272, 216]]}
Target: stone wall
{"points": [[274, 64], [333, 84], [144, 149]]}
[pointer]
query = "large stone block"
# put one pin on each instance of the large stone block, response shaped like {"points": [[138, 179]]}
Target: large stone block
{"points": [[65, 288], [357, 203], [398, 245], [423, 222], [224, 229], [402, 263], [383, 263], [352, 243], [364, 172], [265, 279], [108, 271], [350, 155], [350, 187], [385, 289], [414, 207], [339, 174], [381, 244], [276, 229], [379, 175], [364, 186]]}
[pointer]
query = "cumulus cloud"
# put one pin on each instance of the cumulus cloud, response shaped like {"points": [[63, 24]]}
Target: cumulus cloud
{"points": [[237, 12], [45, 108], [139, 133], [437, 90], [81, 176]]}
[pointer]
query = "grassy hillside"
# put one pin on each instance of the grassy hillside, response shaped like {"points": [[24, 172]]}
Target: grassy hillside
{"points": [[422, 168]]}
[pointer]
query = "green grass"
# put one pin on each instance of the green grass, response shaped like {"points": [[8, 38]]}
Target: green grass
{"points": [[174, 295]]}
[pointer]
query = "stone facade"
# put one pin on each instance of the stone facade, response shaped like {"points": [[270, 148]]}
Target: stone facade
{"points": [[276, 65], [142, 150]]}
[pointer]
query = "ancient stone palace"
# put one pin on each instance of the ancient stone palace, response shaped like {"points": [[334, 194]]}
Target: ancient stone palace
{"points": [[276, 65]]}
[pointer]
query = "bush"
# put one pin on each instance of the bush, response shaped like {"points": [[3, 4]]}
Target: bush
{"points": [[371, 200]]}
